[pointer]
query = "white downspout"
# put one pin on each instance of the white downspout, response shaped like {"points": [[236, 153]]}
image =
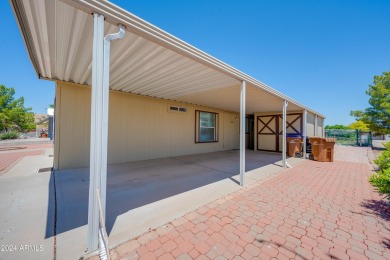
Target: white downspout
{"points": [[106, 88]]}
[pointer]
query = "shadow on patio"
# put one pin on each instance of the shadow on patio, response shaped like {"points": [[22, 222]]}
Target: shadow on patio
{"points": [[379, 208], [136, 184]]}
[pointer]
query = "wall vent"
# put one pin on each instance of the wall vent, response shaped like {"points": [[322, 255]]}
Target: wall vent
{"points": [[178, 109]]}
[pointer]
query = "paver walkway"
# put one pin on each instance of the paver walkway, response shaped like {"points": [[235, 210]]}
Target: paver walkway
{"points": [[7, 159], [315, 210]]}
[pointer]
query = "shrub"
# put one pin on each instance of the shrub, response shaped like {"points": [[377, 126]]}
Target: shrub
{"points": [[381, 180], [9, 135]]}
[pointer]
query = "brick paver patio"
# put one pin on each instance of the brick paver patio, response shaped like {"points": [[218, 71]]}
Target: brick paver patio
{"points": [[313, 211]]}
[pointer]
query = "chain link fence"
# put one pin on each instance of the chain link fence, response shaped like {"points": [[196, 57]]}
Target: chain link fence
{"points": [[350, 137]]}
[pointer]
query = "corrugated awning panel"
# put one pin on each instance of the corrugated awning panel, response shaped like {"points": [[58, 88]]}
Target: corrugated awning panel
{"points": [[229, 99], [62, 36], [147, 61]]}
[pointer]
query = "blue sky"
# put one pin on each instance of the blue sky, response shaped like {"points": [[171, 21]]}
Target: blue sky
{"points": [[321, 53]]}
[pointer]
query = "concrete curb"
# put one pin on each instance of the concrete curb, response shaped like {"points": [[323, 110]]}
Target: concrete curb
{"points": [[371, 157]]}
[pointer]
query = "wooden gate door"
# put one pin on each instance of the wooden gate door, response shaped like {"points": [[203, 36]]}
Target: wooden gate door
{"points": [[294, 126], [270, 130], [267, 128]]}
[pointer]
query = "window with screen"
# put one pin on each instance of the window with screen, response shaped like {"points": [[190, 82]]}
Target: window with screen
{"points": [[207, 124]]}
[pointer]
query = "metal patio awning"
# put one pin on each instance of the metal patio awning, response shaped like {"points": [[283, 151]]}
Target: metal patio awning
{"points": [[148, 61], [65, 42]]}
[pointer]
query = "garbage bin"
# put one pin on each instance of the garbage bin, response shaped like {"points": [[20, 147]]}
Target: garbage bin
{"points": [[295, 146], [290, 137], [323, 148], [329, 149], [315, 146], [321, 153]]}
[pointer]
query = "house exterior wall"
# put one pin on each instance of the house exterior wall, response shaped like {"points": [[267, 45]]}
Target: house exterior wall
{"points": [[140, 128], [320, 127], [310, 124]]}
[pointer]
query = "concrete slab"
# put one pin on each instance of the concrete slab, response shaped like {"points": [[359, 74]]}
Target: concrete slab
{"points": [[27, 209], [27, 217], [147, 194], [30, 165]]}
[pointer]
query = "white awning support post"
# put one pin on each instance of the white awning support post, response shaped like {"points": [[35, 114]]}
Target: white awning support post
{"points": [[304, 132], [242, 132], [323, 128], [99, 126], [284, 150], [96, 131], [316, 126]]}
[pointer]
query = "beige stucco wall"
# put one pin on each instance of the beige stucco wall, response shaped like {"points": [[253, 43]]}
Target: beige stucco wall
{"points": [[140, 128]]}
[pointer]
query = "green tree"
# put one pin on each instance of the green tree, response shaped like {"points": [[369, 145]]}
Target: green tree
{"points": [[343, 127], [378, 115], [359, 125], [13, 114]]}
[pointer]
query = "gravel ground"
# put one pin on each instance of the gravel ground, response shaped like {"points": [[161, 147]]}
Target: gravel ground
{"points": [[359, 154]]}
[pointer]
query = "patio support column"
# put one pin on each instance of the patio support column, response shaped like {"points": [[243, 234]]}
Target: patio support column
{"points": [[284, 138], [316, 126], [242, 132], [97, 148], [304, 132]]}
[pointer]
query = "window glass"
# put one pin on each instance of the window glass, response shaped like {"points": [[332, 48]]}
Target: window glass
{"points": [[207, 127]]}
